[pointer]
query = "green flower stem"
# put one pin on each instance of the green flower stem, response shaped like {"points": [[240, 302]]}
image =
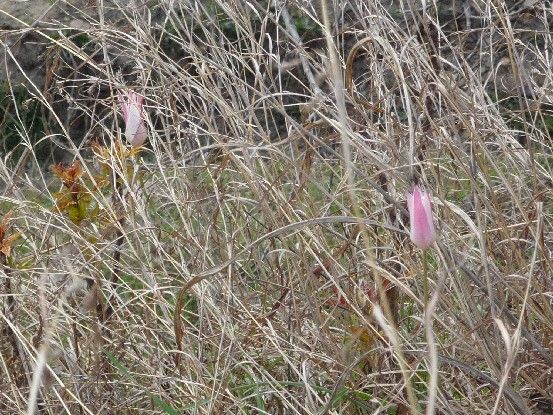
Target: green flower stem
{"points": [[425, 278]]}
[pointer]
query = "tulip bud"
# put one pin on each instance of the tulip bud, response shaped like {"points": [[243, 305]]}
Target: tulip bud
{"points": [[420, 214], [135, 128]]}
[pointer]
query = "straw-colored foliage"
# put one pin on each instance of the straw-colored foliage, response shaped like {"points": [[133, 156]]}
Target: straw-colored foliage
{"points": [[253, 257]]}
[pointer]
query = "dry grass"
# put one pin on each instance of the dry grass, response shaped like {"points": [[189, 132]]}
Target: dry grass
{"points": [[236, 268]]}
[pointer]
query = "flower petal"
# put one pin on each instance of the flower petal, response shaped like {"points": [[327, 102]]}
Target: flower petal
{"points": [[422, 231]]}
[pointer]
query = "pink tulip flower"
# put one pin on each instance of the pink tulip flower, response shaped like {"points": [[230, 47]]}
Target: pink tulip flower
{"points": [[420, 214], [135, 127]]}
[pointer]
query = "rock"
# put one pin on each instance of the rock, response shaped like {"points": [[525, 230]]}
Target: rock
{"points": [[27, 28]]}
